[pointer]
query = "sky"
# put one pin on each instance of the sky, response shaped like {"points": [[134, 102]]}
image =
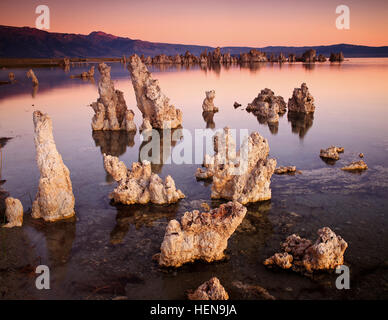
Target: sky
{"points": [[215, 23]]}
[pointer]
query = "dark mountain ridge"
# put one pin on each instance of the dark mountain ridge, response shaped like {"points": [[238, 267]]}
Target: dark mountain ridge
{"points": [[26, 42]]}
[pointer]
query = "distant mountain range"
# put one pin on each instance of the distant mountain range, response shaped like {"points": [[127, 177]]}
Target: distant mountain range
{"points": [[25, 42]]}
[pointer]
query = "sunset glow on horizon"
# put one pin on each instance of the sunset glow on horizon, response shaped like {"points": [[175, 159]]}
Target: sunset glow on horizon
{"points": [[213, 23]]}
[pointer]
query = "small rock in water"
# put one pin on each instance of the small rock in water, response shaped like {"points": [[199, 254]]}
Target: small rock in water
{"points": [[283, 170], [356, 166], [209, 290], [331, 153], [302, 255], [236, 105], [361, 155]]}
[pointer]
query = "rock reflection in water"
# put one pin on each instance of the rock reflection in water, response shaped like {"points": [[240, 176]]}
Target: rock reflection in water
{"points": [[165, 146], [300, 122], [208, 117], [140, 216], [272, 126], [113, 143]]}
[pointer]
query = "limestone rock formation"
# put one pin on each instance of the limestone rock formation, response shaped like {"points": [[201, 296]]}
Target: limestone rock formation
{"points": [[236, 105], [55, 199], [302, 255], [111, 112], [209, 290], [85, 75], [13, 213], [309, 56], [208, 103], [140, 185], [336, 57], [253, 56], [301, 100], [200, 236], [283, 170], [153, 104], [267, 106], [244, 176], [34, 79], [11, 76], [331, 153], [291, 57], [356, 166]]}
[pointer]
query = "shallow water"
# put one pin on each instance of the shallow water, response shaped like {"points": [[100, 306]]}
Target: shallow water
{"points": [[108, 250]]}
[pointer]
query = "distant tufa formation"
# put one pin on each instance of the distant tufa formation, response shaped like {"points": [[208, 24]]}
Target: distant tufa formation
{"points": [[331, 153], [210, 290], [250, 57], [140, 185], [200, 236], [86, 74], [111, 112], [244, 176], [30, 74], [302, 255], [55, 199], [151, 101]]}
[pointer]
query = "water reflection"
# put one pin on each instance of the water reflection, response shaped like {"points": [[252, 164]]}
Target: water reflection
{"points": [[166, 144], [140, 216], [300, 122], [208, 117], [113, 143]]}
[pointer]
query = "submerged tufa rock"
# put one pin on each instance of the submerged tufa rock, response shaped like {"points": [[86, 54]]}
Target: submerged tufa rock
{"points": [[356, 166], [301, 254], [283, 170], [13, 213], [301, 100], [209, 290], [200, 236], [151, 101], [267, 106], [55, 199], [331, 153], [208, 103], [111, 112], [140, 185]]}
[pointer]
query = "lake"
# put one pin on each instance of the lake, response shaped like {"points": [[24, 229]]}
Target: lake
{"points": [[107, 252]]}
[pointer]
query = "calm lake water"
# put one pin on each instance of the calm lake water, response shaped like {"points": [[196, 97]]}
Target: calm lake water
{"points": [[107, 251]]}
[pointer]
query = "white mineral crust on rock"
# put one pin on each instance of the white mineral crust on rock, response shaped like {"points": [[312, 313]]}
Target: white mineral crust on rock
{"points": [[111, 112], [210, 290], [200, 236], [55, 199], [244, 176], [301, 254], [13, 213], [140, 185], [301, 100], [151, 101], [208, 102]]}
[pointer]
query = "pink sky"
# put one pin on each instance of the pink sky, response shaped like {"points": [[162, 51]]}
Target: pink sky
{"points": [[215, 23]]}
